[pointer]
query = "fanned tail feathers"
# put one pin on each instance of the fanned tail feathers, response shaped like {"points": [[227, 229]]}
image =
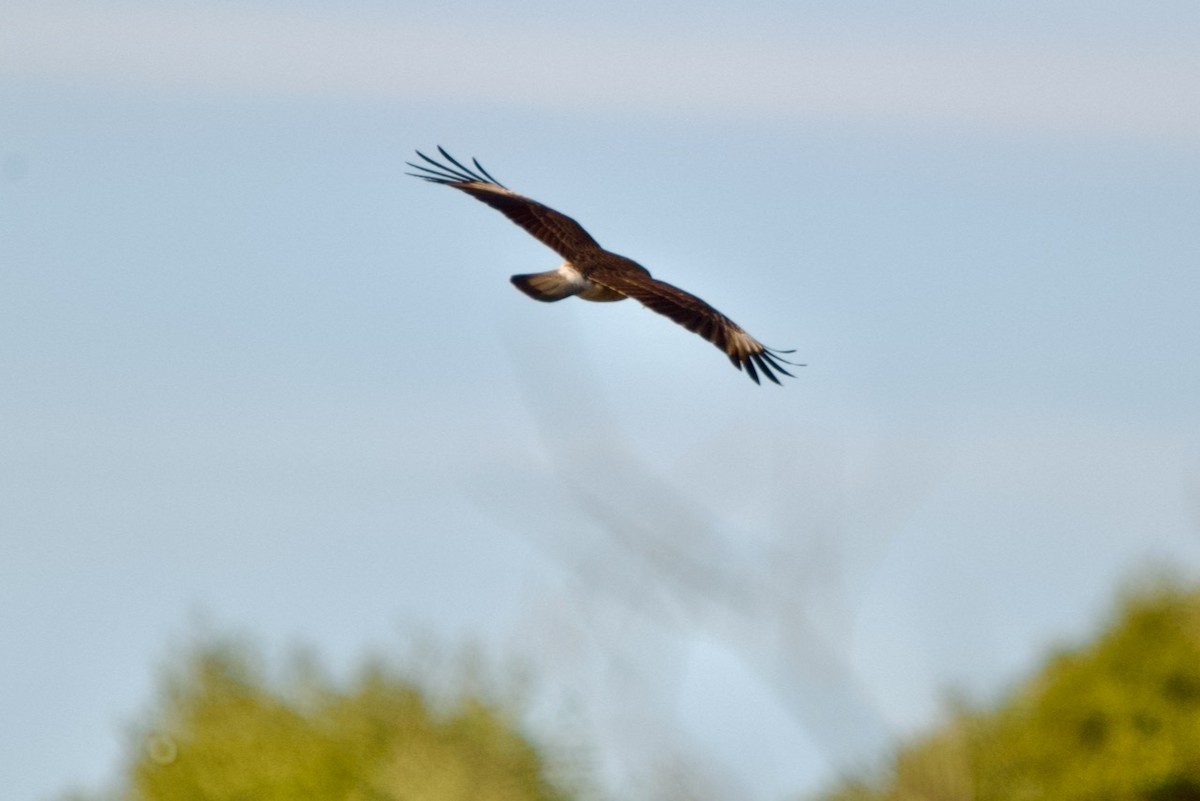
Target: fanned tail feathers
{"points": [[548, 286]]}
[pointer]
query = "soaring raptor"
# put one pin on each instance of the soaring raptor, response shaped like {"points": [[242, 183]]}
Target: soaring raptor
{"points": [[593, 273]]}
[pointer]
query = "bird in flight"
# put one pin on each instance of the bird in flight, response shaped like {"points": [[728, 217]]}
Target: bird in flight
{"points": [[593, 273]]}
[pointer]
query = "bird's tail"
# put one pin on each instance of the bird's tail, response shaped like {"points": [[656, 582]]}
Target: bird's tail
{"points": [[548, 286]]}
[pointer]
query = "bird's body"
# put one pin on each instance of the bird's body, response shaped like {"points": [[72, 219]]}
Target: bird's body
{"points": [[592, 273], [566, 281]]}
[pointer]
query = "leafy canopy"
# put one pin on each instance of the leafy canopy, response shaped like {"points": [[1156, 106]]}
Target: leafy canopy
{"points": [[1115, 720], [220, 732]]}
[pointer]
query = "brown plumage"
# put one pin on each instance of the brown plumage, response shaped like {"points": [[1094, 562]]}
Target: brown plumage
{"points": [[593, 273]]}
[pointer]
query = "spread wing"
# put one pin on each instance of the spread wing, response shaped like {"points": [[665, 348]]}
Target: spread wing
{"points": [[695, 315], [558, 231]]}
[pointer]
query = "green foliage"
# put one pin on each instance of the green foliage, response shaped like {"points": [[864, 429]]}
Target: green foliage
{"points": [[223, 733], [1117, 720]]}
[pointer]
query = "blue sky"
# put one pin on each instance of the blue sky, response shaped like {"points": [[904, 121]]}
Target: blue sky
{"points": [[255, 375]]}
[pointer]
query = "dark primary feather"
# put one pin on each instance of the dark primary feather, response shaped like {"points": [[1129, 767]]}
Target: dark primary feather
{"points": [[442, 174], [557, 231]]}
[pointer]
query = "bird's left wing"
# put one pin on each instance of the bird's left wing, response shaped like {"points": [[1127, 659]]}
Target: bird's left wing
{"points": [[556, 230], [695, 315]]}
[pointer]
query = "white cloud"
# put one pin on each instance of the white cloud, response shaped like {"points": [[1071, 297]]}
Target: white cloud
{"points": [[1069, 87]]}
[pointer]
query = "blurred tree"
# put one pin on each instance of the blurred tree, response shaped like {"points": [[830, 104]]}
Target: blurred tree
{"points": [[1116, 720], [220, 732]]}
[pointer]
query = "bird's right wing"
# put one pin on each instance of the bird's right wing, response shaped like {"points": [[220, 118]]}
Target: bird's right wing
{"points": [[558, 231], [695, 315]]}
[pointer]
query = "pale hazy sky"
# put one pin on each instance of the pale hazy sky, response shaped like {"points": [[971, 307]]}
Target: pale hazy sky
{"points": [[256, 375]]}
